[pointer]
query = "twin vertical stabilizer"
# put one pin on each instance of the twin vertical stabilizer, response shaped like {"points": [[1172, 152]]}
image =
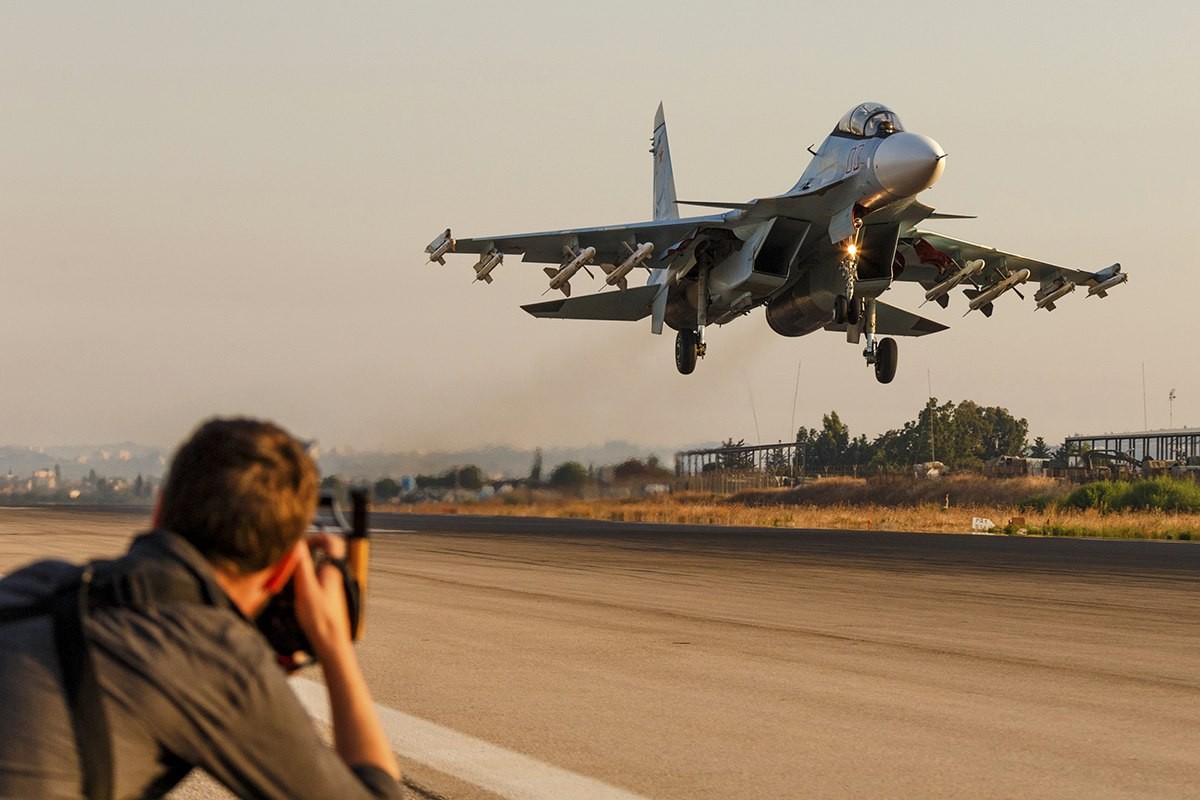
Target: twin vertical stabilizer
{"points": [[664, 178], [665, 207]]}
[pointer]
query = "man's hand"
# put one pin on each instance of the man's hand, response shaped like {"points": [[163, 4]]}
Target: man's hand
{"points": [[321, 596], [321, 611]]}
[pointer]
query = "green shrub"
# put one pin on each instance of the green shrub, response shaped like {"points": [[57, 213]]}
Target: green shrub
{"points": [[1102, 495], [1163, 494], [1152, 494], [1038, 503]]}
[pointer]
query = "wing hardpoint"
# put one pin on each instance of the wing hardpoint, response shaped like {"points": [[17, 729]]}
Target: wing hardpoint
{"points": [[547, 247], [1000, 262]]}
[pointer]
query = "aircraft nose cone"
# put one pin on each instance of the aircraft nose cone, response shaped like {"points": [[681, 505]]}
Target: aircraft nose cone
{"points": [[907, 163]]}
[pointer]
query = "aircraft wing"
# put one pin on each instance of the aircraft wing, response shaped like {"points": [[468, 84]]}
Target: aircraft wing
{"points": [[629, 305], [892, 321], [547, 247], [927, 246]]}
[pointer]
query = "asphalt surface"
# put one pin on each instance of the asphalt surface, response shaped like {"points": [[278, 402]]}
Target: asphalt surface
{"points": [[721, 662]]}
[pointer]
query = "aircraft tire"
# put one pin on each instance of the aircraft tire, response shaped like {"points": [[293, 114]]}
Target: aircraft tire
{"points": [[885, 360], [853, 312], [840, 308], [685, 351]]}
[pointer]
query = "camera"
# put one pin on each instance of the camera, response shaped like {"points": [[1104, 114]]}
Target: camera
{"points": [[278, 623]]}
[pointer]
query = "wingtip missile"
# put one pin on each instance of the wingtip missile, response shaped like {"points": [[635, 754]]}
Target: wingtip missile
{"points": [[1109, 278], [439, 247]]}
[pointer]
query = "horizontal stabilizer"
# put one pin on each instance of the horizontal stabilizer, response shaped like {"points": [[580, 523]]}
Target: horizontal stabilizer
{"points": [[629, 305], [708, 204], [892, 321]]}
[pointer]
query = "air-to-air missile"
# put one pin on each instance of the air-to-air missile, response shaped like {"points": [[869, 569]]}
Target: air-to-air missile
{"points": [[984, 299], [576, 260], [942, 290], [486, 263], [439, 247], [637, 257]]}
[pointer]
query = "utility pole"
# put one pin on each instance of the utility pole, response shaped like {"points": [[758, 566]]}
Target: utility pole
{"points": [[1171, 401], [929, 385], [1145, 424]]}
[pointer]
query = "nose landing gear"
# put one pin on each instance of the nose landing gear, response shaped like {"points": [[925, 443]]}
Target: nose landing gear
{"points": [[846, 307], [883, 354], [688, 348], [689, 344]]}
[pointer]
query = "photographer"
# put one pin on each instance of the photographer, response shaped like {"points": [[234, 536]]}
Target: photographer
{"points": [[118, 678]]}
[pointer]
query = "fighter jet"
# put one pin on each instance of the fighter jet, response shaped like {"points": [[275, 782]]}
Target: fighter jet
{"points": [[817, 257]]}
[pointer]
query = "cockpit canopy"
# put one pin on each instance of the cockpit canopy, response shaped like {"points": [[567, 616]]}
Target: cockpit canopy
{"points": [[869, 119]]}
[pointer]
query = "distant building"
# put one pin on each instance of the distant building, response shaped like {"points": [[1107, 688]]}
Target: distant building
{"points": [[1180, 444], [43, 480]]}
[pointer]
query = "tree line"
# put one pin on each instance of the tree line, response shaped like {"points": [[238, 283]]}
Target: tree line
{"points": [[960, 435]]}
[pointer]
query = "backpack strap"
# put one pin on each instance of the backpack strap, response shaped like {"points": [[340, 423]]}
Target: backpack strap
{"points": [[97, 586], [17, 613], [84, 697]]}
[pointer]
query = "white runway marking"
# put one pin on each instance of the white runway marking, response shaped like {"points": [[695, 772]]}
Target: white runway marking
{"points": [[475, 761]]}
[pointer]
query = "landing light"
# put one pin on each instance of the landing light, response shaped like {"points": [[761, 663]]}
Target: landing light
{"points": [[852, 249]]}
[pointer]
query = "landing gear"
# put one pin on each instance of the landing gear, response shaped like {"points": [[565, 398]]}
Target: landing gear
{"points": [[854, 311], [885, 360], [883, 354], [847, 308], [689, 344], [687, 349]]}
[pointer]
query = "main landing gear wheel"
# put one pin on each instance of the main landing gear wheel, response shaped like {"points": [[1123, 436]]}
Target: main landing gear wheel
{"points": [[841, 308], [886, 354], [686, 351], [854, 311]]}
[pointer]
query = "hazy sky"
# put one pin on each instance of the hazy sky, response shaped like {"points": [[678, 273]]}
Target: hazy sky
{"points": [[221, 208]]}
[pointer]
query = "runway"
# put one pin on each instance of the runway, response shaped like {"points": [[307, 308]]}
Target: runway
{"points": [[719, 662], [736, 662]]}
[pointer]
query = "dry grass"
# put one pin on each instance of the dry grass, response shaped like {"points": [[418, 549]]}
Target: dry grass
{"points": [[957, 490], [856, 504]]}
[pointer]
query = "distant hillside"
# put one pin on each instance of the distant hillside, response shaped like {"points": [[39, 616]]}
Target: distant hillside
{"points": [[123, 460], [127, 460], [507, 462]]}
